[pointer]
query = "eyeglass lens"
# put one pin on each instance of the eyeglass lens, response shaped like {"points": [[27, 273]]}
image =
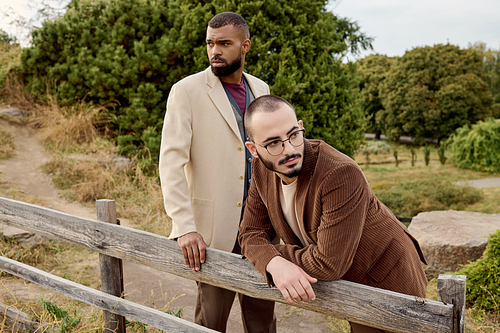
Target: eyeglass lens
{"points": [[296, 139]]}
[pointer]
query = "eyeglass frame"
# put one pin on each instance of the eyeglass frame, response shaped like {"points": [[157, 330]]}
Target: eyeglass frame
{"points": [[283, 142]]}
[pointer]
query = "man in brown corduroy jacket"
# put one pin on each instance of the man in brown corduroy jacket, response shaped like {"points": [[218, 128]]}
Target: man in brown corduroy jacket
{"points": [[319, 203]]}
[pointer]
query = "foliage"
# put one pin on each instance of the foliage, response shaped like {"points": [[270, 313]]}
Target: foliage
{"points": [[431, 91], [483, 276], [396, 157], [375, 147], [442, 154], [410, 197], [476, 147], [413, 156], [67, 322], [491, 72], [5, 38], [427, 154], [132, 51], [373, 71], [10, 59]]}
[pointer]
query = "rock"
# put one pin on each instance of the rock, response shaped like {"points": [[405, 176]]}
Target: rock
{"points": [[451, 238], [12, 113], [115, 161], [22, 237]]}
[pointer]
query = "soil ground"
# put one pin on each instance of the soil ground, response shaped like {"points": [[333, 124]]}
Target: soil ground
{"points": [[142, 284]]}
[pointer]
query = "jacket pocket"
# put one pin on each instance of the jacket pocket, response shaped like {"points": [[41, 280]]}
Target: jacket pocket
{"points": [[203, 214], [386, 262]]}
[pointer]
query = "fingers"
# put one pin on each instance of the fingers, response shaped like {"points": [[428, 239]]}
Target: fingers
{"points": [[193, 249]]}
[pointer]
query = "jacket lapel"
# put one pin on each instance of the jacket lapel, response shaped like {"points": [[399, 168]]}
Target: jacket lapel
{"points": [[256, 90], [303, 187], [220, 100]]}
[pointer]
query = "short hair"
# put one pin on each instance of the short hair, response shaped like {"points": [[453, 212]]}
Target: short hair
{"points": [[265, 103], [229, 18]]}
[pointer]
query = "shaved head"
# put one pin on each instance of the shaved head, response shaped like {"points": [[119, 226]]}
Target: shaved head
{"points": [[265, 103]]}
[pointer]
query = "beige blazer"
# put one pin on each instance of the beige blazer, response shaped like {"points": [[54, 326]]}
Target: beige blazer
{"points": [[202, 159]]}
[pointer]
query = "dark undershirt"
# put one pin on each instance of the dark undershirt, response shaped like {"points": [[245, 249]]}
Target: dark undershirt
{"points": [[239, 94]]}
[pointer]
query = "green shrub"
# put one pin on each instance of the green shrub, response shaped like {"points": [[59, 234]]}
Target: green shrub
{"points": [[133, 51], [427, 154], [477, 147], [483, 277], [412, 197]]}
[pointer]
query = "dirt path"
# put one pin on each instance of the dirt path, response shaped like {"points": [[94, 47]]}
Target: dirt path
{"points": [[142, 284]]}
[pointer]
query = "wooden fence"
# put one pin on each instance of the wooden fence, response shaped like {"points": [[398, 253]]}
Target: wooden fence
{"points": [[358, 303]]}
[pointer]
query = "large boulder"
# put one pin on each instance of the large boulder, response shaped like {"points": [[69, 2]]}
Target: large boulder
{"points": [[450, 238]]}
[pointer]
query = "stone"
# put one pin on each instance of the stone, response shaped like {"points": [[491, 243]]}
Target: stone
{"points": [[12, 113], [24, 238], [450, 239]]}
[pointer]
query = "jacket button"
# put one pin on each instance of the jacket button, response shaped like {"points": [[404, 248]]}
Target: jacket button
{"points": [[240, 148], [241, 177], [239, 204]]}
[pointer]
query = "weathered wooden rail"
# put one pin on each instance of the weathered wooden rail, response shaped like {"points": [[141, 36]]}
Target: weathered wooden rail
{"points": [[342, 299]]}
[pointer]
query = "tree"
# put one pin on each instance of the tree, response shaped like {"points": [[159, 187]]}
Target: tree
{"points": [[132, 51], [491, 72], [431, 91], [373, 71]]}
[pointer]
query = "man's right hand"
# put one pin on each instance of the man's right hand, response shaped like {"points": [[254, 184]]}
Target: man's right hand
{"points": [[291, 280], [193, 248]]}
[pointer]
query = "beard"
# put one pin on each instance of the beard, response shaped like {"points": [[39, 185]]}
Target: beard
{"points": [[228, 69], [291, 173]]}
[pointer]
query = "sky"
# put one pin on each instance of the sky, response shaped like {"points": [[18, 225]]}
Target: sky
{"points": [[396, 25], [401, 25]]}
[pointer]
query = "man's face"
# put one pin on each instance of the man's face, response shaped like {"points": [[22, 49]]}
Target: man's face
{"points": [[225, 47], [277, 125]]}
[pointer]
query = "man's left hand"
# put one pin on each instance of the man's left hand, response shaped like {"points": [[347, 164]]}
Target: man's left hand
{"points": [[291, 280]]}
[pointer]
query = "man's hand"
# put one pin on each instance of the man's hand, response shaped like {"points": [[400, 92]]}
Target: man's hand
{"points": [[291, 280], [193, 248]]}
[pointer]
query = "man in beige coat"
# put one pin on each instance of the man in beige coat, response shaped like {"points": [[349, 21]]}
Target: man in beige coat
{"points": [[204, 166]]}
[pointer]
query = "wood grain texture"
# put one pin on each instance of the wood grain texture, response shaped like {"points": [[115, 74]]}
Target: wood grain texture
{"points": [[111, 270], [20, 321], [342, 299], [451, 290], [102, 300]]}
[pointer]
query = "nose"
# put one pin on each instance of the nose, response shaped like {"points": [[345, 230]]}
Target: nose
{"points": [[288, 149], [216, 50]]}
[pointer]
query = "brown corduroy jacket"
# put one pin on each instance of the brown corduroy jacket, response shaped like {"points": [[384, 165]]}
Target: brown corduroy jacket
{"points": [[352, 235]]}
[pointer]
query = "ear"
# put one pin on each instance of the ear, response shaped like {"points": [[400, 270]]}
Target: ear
{"points": [[252, 149], [245, 46], [301, 125]]}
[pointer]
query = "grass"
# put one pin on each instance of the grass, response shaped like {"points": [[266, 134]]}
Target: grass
{"points": [[408, 189], [7, 145]]}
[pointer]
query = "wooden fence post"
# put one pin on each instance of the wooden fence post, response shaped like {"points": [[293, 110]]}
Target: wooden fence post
{"points": [[451, 290], [111, 270]]}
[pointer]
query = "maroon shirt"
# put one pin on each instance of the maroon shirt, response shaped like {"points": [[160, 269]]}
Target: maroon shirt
{"points": [[239, 94]]}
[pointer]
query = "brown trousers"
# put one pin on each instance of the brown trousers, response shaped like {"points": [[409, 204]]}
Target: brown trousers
{"points": [[213, 305], [357, 328]]}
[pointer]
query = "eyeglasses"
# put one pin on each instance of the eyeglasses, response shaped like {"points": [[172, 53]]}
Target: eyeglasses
{"points": [[276, 147]]}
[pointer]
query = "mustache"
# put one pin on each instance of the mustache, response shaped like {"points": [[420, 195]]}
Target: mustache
{"points": [[219, 59], [288, 158]]}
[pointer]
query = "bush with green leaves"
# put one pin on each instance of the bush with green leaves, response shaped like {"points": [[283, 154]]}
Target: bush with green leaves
{"points": [[477, 147], [133, 51], [483, 277]]}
